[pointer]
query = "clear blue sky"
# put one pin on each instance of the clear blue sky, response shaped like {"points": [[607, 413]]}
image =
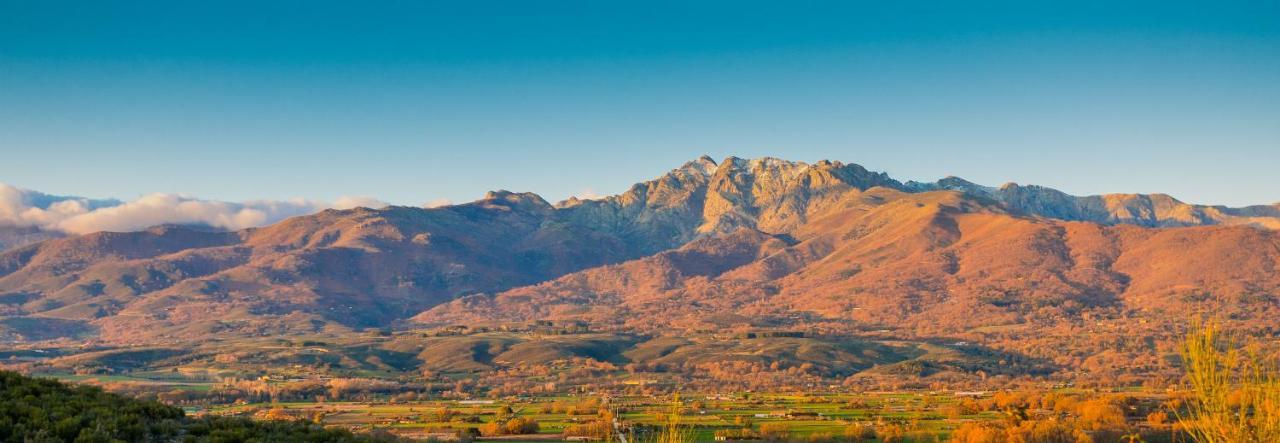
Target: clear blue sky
{"points": [[415, 101]]}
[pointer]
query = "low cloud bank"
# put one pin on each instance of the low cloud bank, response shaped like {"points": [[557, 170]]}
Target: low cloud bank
{"points": [[76, 215], [438, 203]]}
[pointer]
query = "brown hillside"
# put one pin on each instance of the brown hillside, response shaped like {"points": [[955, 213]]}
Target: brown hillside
{"points": [[934, 264], [764, 243]]}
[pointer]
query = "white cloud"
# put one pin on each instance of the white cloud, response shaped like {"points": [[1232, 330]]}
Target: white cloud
{"points": [[589, 194], [345, 202], [23, 207], [437, 203]]}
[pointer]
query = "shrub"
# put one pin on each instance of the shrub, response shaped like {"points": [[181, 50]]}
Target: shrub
{"points": [[519, 425], [774, 431], [1235, 395], [515, 426], [860, 432]]}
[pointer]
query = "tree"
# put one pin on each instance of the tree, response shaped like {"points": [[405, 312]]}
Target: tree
{"points": [[1101, 413], [672, 432], [520, 425], [515, 426], [978, 433], [41, 410], [774, 431], [860, 432], [1235, 395]]}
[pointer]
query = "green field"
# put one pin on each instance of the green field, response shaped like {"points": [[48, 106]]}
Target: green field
{"points": [[912, 415]]}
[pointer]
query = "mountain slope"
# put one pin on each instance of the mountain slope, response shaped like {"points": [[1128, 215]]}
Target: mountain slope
{"points": [[1152, 210], [886, 256], [761, 242], [350, 268], [925, 259], [362, 267], [12, 237], [932, 265]]}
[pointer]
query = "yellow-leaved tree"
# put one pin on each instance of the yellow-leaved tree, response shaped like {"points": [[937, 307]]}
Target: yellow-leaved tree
{"points": [[1234, 391], [672, 431]]}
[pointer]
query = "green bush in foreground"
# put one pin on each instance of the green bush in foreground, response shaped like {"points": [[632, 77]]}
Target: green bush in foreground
{"points": [[44, 410]]}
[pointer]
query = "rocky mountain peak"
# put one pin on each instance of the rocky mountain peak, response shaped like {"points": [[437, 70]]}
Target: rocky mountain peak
{"points": [[703, 165], [515, 200], [359, 267], [959, 184]]}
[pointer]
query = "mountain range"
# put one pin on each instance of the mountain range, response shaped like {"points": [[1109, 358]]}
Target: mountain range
{"points": [[735, 245]]}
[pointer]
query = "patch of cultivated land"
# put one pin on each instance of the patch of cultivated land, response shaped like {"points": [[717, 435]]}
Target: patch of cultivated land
{"points": [[918, 415]]}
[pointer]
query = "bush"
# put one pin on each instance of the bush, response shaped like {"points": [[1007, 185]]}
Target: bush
{"points": [[774, 431], [860, 432], [515, 426], [1101, 413], [1235, 394], [47, 410], [594, 429], [519, 426]]}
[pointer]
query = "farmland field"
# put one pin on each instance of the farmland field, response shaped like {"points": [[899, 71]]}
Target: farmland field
{"points": [[851, 416], [534, 386]]}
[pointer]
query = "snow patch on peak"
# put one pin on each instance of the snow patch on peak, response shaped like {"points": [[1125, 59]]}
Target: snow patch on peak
{"points": [[772, 162], [704, 165], [732, 162]]}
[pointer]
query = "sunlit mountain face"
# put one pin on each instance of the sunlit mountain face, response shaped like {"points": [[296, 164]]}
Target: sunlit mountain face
{"points": [[735, 243]]}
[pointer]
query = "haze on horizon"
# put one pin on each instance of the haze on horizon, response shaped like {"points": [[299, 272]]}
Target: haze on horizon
{"points": [[426, 101]]}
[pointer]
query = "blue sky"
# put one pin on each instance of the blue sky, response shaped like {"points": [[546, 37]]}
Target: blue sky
{"points": [[416, 101]]}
